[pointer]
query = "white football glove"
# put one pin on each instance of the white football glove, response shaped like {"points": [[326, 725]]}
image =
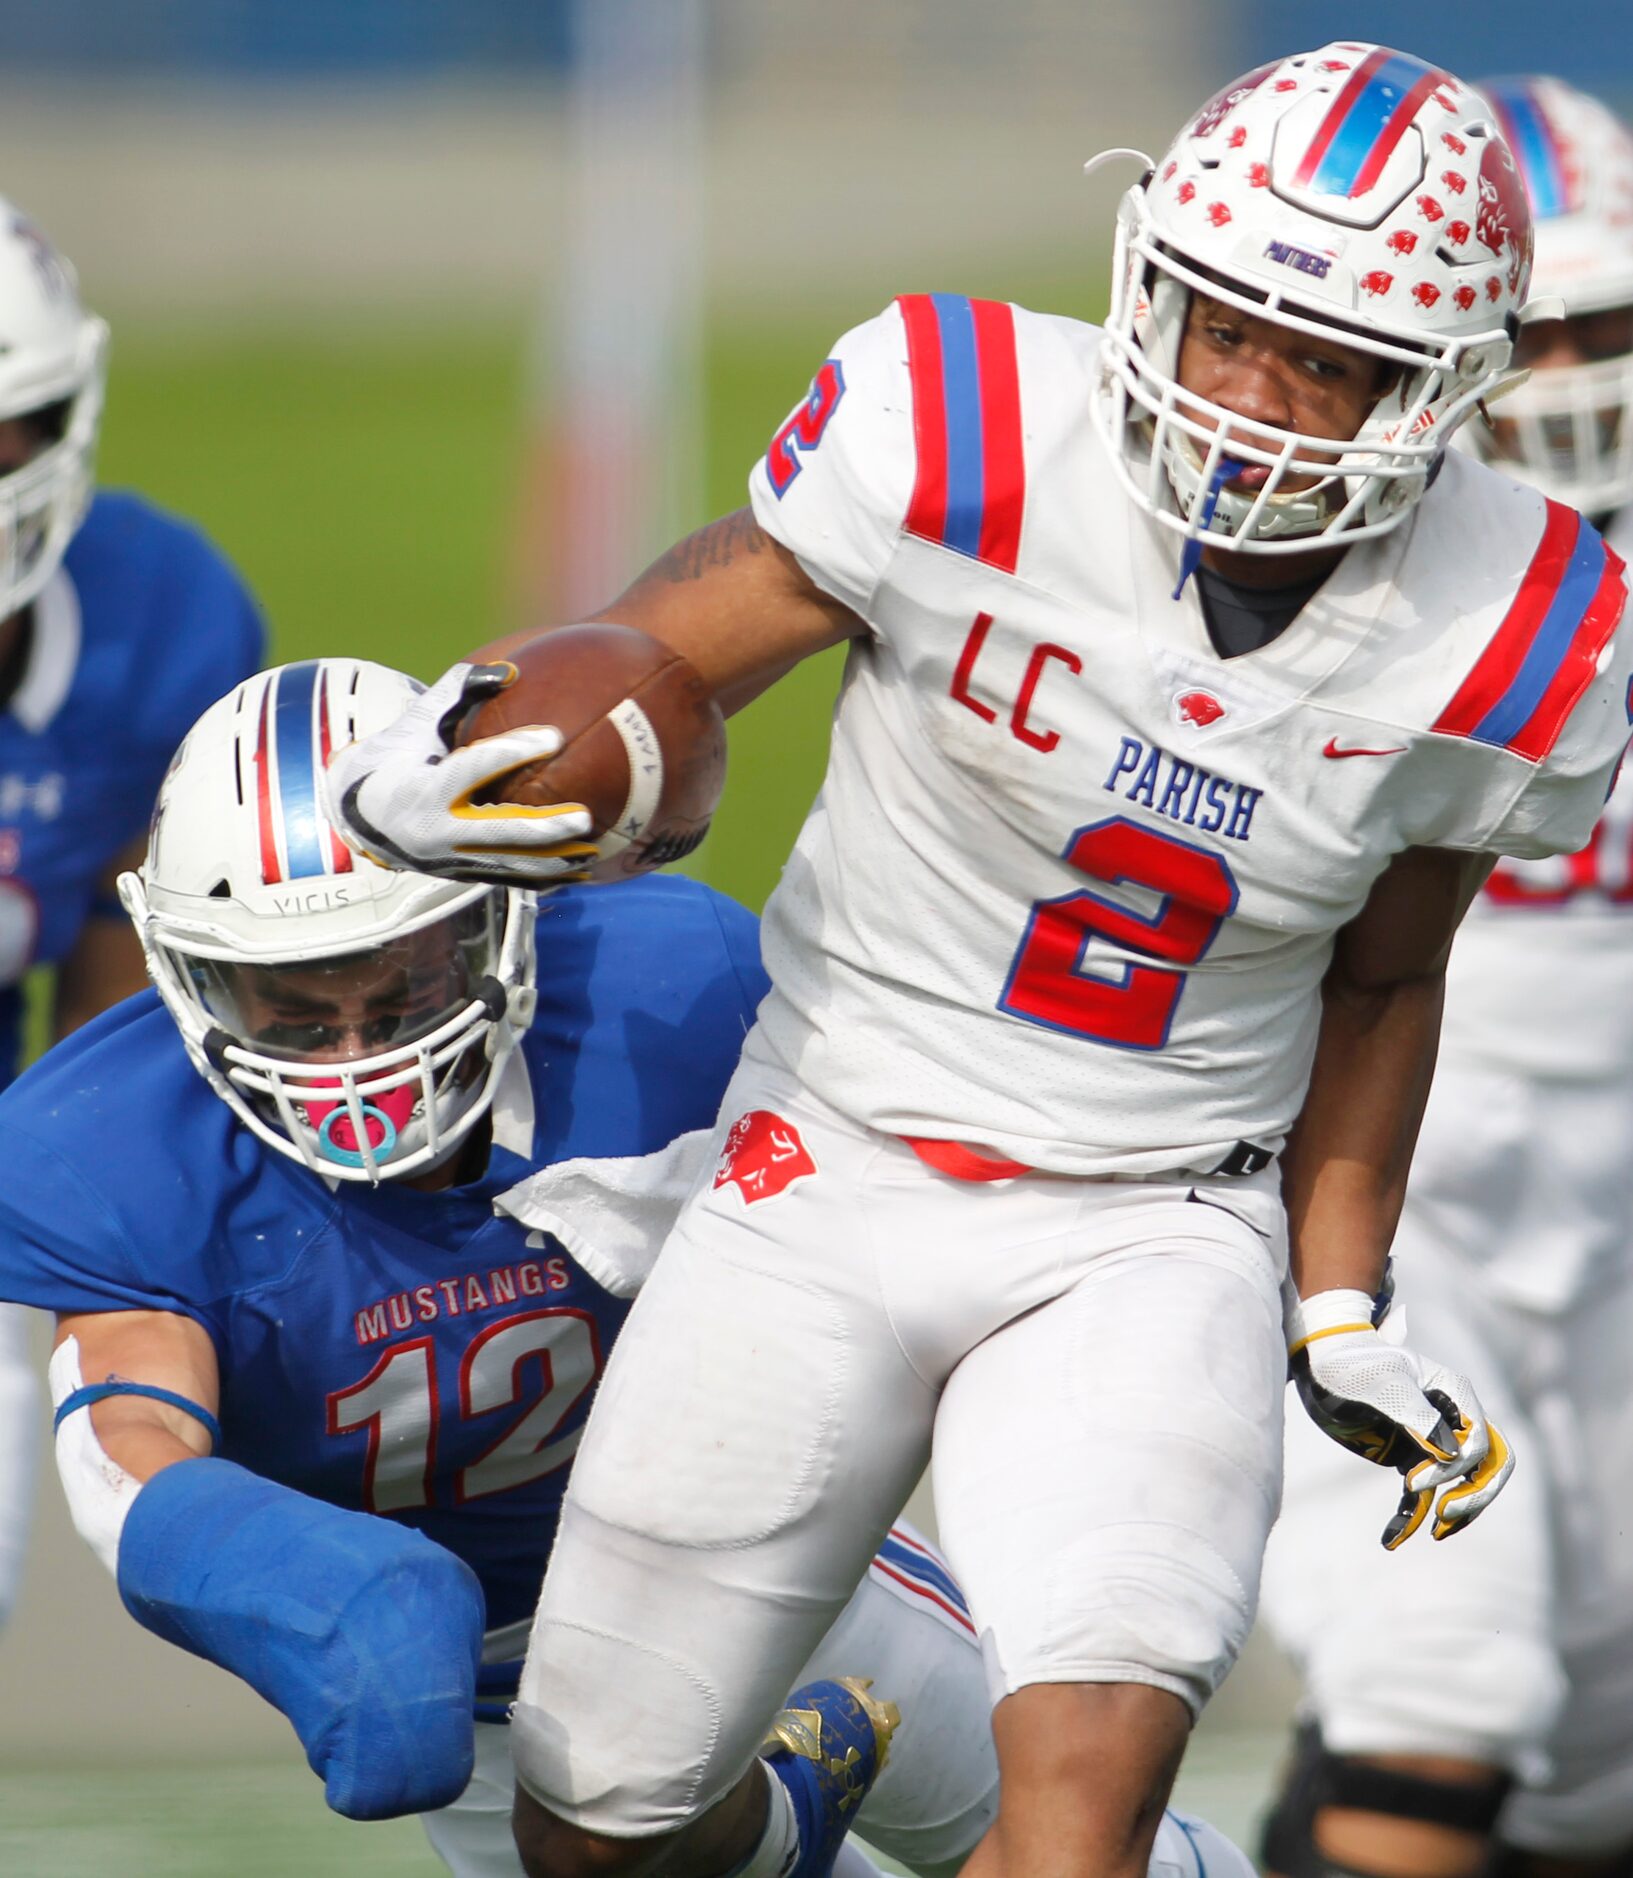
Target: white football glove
{"points": [[1398, 1409], [405, 797]]}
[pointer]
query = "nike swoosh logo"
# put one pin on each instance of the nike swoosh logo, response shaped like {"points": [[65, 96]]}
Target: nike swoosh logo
{"points": [[1331, 748]]}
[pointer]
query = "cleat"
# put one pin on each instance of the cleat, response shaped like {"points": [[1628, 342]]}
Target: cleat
{"points": [[827, 1747]]}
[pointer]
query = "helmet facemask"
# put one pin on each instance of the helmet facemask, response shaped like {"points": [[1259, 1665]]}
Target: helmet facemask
{"points": [[44, 500], [365, 1065], [1178, 452]]}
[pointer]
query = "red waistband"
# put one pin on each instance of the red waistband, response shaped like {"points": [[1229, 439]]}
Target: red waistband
{"points": [[963, 1163]]}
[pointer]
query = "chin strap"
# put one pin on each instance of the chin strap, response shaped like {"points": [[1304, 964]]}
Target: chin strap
{"points": [[1190, 556]]}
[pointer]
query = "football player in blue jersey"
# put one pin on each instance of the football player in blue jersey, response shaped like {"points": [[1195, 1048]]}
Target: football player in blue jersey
{"points": [[118, 625], [280, 1262]]}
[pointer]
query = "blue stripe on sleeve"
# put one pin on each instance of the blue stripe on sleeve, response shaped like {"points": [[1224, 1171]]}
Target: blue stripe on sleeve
{"points": [[961, 388], [297, 769], [1583, 573]]}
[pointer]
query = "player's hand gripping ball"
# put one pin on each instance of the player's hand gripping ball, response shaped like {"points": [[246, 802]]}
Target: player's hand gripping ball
{"points": [[642, 745], [598, 753]]}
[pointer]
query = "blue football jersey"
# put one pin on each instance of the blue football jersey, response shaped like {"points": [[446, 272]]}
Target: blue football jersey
{"points": [[144, 625], [414, 1354]]}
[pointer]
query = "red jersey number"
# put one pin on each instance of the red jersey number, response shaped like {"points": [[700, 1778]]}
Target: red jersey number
{"points": [[1129, 1006]]}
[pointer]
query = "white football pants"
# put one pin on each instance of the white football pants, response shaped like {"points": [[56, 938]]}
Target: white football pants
{"points": [[939, 1789], [1513, 1642], [1101, 1365]]}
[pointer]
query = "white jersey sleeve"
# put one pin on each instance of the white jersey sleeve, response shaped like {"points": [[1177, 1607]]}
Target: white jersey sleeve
{"points": [[834, 485]]}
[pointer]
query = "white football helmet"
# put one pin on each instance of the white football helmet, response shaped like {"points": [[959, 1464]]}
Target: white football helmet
{"points": [[1351, 192], [1569, 428], [354, 1017], [53, 363]]}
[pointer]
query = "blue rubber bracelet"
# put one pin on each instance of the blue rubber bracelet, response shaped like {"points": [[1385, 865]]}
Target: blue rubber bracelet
{"points": [[100, 1391]]}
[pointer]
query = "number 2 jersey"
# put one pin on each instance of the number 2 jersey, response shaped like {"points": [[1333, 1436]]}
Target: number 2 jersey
{"points": [[143, 626], [413, 1354], [1072, 881]]}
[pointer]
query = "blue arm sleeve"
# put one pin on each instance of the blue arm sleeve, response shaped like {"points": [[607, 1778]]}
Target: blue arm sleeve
{"points": [[364, 1633]]}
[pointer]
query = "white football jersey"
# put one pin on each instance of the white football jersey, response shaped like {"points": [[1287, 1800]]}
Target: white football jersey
{"points": [[1541, 978], [1071, 884]]}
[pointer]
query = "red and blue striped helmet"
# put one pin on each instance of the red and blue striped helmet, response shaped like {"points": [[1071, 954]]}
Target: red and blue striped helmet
{"points": [[1352, 188], [263, 930], [1569, 428]]}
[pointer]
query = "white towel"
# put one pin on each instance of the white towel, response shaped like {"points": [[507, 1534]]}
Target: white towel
{"points": [[614, 1214]]}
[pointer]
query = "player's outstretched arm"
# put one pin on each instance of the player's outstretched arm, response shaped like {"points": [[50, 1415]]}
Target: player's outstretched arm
{"points": [[363, 1633], [734, 602], [1345, 1178], [729, 599]]}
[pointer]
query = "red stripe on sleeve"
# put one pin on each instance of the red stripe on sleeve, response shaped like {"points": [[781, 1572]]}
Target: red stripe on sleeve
{"points": [[1496, 667], [1540, 731], [1359, 79], [1003, 453], [1392, 133], [927, 512], [270, 871]]}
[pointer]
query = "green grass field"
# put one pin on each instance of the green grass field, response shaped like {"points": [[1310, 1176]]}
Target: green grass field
{"points": [[367, 486], [270, 1821]]}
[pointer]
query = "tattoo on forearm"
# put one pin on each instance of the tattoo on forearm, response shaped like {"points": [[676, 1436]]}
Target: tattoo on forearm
{"points": [[714, 546]]}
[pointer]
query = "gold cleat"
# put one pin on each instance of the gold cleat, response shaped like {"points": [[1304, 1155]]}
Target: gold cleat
{"points": [[822, 1724]]}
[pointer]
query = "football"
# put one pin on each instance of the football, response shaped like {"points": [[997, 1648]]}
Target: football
{"points": [[644, 742]]}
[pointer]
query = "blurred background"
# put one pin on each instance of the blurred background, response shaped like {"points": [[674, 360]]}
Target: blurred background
{"points": [[444, 317]]}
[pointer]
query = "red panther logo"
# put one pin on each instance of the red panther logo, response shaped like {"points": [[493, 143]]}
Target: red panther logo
{"points": [[763, 1156], [1199, 708], [1502, 221]]}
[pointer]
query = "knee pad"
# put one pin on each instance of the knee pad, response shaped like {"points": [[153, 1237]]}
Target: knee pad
{"points": [[1317, 1778]]}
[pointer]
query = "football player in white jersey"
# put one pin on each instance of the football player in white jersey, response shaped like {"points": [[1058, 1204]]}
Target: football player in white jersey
{"points": [[1503, 1711], [1193, 685]]}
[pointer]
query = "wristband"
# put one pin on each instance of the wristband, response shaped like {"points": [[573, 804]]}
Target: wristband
{"points": [[90, 1393]]}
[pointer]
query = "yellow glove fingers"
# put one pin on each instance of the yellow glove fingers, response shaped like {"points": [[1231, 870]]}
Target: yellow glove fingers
{"points": [[585, 851], [1454, 1456], [1408, 1516], [468, 811], [1472, 1479], [1468, 1498]]}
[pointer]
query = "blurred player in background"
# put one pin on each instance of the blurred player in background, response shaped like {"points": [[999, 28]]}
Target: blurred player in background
{"points": [[118, 625], [1193, 685], [1429, 1697]]}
